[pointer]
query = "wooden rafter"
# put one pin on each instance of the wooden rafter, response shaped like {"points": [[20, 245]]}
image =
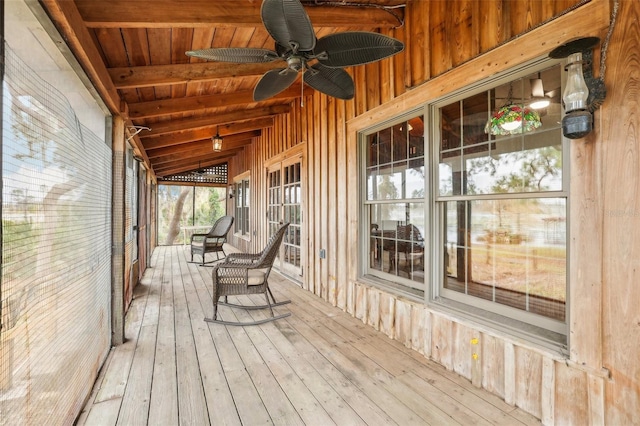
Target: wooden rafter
{"points": [[202, 144], [229, 132], [214, 119], [198, 103], [161, 75], [201, 13]]}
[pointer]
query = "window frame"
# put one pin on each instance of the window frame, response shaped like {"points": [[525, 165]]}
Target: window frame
{"points": [[404, 285], [242, 205], [441, 295], [543, 330]]}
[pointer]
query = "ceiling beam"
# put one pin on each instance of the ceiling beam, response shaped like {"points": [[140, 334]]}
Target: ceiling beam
{"points": [[196, 159], [181, 167], [162, 75], [169, 149], [67, 19], [166, 127], [197, 135], [198, 103], [207, 13]]}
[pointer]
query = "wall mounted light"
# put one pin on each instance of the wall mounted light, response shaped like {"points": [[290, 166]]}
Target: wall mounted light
{"points": [[217, 141], [583, 94], [230, 191]]}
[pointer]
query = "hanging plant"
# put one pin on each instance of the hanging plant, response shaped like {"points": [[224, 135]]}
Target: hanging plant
{"points": [[513, 119]]}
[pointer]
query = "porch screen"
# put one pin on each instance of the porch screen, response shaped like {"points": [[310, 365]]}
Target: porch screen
{"points": [[56, 255]]}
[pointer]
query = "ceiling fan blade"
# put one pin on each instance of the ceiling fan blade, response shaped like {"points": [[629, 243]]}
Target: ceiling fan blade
{"points": [[288, 23], [235, 54], [355, 48], [334, 82], [273, 82]]}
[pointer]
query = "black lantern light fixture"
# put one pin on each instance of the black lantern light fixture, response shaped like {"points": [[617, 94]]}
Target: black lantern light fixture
{"points": [[583, 94], [217, 141]]}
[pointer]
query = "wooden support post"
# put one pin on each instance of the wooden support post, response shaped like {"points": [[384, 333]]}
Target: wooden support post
{"points": [[118, 237]]}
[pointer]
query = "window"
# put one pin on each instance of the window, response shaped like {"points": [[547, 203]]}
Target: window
{"points": [[502, 205], [395, 202], [242, 196], [478, 221]]}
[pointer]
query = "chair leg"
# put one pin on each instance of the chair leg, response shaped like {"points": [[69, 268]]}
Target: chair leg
{"points": [[266, 296], [215, 310]]}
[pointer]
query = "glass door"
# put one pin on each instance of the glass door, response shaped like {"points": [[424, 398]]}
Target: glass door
{"points": [[285, 205]]}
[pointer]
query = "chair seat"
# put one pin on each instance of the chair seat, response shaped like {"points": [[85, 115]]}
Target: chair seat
{"points": [[201, 244], [255, 276]]}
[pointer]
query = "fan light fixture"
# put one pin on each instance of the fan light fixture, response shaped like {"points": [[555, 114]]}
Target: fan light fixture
{"points": [[217, 142], [538, 99], [512, 119]]}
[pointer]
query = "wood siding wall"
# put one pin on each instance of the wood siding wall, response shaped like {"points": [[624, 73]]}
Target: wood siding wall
{"points": [[447, 50]]}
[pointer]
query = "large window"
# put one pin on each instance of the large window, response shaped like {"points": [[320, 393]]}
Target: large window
{"points": [[502, 204], [395, 202], [480, 217]]}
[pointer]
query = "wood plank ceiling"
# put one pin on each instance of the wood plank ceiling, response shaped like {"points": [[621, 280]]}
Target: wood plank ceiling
{"points": [[134, 50]]}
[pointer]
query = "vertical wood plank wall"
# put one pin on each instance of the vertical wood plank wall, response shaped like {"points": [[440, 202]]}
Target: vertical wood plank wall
{"points": [[598, 382]]}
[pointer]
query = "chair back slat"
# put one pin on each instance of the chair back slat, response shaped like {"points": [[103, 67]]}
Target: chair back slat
{"points": [[270, 251], [221, 227]]}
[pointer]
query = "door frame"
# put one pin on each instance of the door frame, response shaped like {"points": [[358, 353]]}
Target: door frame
{"points": [[280, 162]]}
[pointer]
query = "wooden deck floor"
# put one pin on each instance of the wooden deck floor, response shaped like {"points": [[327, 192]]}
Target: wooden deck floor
{"points": [[319, 366]]}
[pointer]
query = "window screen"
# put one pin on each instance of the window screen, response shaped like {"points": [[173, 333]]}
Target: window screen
{"points": [[56, 256]]}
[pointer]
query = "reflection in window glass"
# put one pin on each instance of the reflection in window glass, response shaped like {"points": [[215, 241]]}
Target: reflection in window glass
{"points": [[242, 197], [511, 252], [395, 202], [487, 164], [505, 233]]}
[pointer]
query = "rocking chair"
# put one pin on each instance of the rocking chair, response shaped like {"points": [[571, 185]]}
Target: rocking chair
{"points": [[213, 241], [245, 273]]}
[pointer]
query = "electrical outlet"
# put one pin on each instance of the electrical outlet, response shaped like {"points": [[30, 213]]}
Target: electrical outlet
{"points": [[323, 254]]}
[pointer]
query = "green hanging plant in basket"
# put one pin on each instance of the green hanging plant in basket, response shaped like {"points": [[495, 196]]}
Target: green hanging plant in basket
{"points": [[512, 119]]}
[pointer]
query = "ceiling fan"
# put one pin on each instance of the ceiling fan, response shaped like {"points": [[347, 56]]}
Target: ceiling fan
{"points": [[295, 43]]}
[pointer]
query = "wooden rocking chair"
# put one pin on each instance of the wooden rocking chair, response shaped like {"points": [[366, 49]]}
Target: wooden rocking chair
{"points": [[213, 241], [244, 273]]}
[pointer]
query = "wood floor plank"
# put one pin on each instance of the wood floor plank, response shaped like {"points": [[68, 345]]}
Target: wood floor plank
{"points": [[217, 394], [451, 384], [114, 383], [192, 403], [302, 399], [362, 382], [135, 401], [336, 407], [163, 407], [319, 366], [272, 395], [103, 413], [136, 398], [388, 360]]}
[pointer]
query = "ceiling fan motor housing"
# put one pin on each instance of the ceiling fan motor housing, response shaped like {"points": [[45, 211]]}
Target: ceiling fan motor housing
{"points": [[296, 63]]}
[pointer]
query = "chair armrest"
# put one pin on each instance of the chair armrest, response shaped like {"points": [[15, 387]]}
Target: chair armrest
{"points": [[193, 236], [241, 258]]}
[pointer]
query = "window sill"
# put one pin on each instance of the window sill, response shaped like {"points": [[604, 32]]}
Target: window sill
{"points": [[519, 332], [394, 288]]}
